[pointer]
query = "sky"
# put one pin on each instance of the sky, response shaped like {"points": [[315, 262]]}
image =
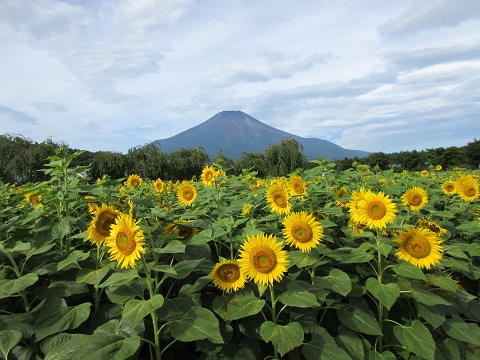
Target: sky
{"points": [[372, 75]]}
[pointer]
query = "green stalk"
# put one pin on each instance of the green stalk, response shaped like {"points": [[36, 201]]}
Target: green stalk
{"points": [[380, 308], [274, 315], [19, 275]]}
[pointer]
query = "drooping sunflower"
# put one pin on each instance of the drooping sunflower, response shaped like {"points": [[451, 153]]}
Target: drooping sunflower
{"points": [[228, 276], [208, 176], [33, 198], [263, 259], [278, 198], [376, 211], [467, 187], [184, 232], [419, 246], [158, 185], [302, 231], [448, 187], [101, 224], [432, 226], [125, 242], [297, 185], [186, 193], [415, 198]]}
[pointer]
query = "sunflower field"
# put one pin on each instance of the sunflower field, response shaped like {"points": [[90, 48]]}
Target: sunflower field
{"points": [[319, 264]]}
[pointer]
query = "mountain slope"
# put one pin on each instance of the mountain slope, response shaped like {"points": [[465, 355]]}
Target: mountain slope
{"points": [[235, 132]]}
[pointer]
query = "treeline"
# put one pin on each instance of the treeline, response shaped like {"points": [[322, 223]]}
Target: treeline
{"points": [[22, 160]]}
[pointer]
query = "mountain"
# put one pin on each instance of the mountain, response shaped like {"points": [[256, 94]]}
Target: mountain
{"points": [[235, 132]]}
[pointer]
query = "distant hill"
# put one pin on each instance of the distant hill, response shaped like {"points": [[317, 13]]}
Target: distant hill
{"points": [[235, 132]]}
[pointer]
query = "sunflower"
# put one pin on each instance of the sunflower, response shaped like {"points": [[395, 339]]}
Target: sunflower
{"points": [[228, 276], [302, 231], [415, 198], [419, 246], [448, 187], [278, 198], [125, 242], [297, 185], [246, 209], [424, 173], [133, 181], [355, 197], [375, 210], [32, 197], [184, 232], [101, 224], [340, 200], [467, 187], [438, 167], [432, 226], [263, 259], [158, 185], [208, 176], [186, 193]]}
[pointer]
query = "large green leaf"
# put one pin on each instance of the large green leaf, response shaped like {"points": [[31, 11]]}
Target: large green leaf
{"points": [[408, 270], [426, 297], [201, 238], [283, 337], [120, 278], [55, 316], [416, 338], [351, 342], [387, 294], [8, 340], [72, 259], [442, 281], [185, 268], [92, 276], [238, 305], [303, 259], [358, 317], [323, 346], [356, 256], [461, 330], [298, 299], [126, 292], [135, 310], [337, 280], [13, 286], [197, 324], [172, 247], [434, 315]]}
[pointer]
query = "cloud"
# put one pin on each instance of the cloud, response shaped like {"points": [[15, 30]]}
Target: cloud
{"points": [[49, 107], [8, 114]]}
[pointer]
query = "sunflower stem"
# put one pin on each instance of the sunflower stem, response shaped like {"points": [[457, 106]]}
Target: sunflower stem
{"points": [[381, 309], [274, 315]]}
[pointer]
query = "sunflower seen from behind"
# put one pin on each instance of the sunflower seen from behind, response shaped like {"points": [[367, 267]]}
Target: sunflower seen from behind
{"points": [[415, 198], [419, 246], [302, 231], [375, 210], [263, 259], [278, 198], [228, 276], [101, 224], [186, 193], [182, 229], [126, 241]]}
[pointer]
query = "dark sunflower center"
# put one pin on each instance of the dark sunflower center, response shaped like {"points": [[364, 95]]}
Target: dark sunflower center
{"points": [[470, 191], [263, 259], [449, 188], [104, 222], [228, 273], [125, 243], [377, 210], [302, 233], [184, 232], [279, 200], [209, 176], [188, 194], [418, 246], [415, 199], [298, 188]]}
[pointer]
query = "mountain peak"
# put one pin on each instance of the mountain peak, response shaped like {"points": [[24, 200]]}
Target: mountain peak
{"points": [[234, 132]]}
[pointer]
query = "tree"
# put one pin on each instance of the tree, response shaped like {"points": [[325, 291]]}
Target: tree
{"points": [[253, 161], [472, 153], [183, 164], [378, 158], [148, 161], [108, 163], [285, 157]]}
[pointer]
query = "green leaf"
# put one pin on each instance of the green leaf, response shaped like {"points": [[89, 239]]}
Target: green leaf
{"points": [[434, 315], [283, 337], [126, 292], [172, 247], [303, 259], [323, 346], [416, 338], [473, 249], [408, 270], [13, 286], [357, 256], [351, 342], [92, 276], [387, 294], [442, 281], [135, 310], [55, 317], [120, 278], [383, 249], [72, 259], [238, 305], [197, 324], [63, 228], [203, 237], [185, 268], [8, 340], [298, 298], [167, 269], [426, 297], [460, 330], [337, 280], [358, 317]]}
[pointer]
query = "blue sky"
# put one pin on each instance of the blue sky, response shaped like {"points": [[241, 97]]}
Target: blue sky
{"points": [[369, 75]]}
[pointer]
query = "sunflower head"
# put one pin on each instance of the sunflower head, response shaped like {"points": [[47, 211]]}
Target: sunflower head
{"points": [[302, 231], [376, 211], [134, 181], [278, 198], [246, 209], [125, 242], [228, 276], [158, 185], [355, 197], [208, 176], [296, 185], [101, 224], [33, 198], [467, 187], [438, 167], [448, 187], [419, 246], [263, 259], [415, 198], [184, 232], [186, 193], [432, 226]]}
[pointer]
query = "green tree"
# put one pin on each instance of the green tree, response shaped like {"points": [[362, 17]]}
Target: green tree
{"points": [[379, 159], [183, 164], [284, 158], [108, 163], [253, 161], [148, 161], [472, 153]]}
